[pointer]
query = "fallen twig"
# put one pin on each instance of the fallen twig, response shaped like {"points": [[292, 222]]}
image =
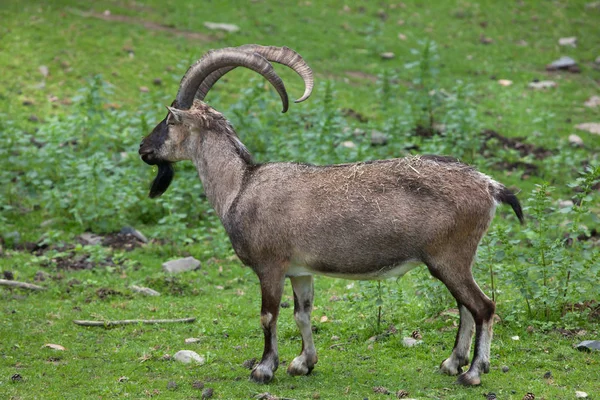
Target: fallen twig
{"points": [[22, 285], [132, 321]]}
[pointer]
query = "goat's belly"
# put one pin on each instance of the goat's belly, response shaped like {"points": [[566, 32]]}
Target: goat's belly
{"points": [[392, 271]]}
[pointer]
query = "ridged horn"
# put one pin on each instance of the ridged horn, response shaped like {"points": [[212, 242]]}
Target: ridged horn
{"points": [[282, 55], [226, 58]]}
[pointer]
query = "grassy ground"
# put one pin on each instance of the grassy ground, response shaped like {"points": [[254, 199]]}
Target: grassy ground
{"points": [[141, 49]]}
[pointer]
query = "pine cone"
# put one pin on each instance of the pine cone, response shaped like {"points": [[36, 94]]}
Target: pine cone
{"points": [[416, 335], [381, 389], [400, 394], [529, 396]]}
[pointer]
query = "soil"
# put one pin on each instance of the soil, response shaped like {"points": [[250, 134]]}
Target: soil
{"points": [[121, 241], [524, 149]]}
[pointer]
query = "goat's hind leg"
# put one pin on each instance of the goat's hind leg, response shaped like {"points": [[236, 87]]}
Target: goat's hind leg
{"points": [[271, 285], [462, 345], [466, 292], [303, 303]]}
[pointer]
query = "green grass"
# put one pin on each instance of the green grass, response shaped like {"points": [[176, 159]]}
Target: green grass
{"points": [[88, 177]]}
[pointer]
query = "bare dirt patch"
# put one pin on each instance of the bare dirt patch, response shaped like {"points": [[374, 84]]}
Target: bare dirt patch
{"points": [[153, 26]]}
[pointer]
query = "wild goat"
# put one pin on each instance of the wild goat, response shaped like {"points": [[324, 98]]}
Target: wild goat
{"points": [[365, 220]]}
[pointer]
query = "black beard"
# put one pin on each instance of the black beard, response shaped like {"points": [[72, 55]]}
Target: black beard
{"points": [[163, 179]]}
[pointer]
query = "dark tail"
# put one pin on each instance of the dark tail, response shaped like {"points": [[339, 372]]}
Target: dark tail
{"points": [[504, 195]]}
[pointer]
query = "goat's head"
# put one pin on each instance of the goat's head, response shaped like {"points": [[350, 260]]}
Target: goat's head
{"points": [[170, 140]]}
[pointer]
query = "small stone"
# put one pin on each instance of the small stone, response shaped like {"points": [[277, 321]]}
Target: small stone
{"points": [[485, 40], [401, 36], [548, 375], [593, 102], [410, 342], [144, 89], [28, 102], [597, 60], [580, 395], [568, 41], [171, 385], [144, 290], [16, 378], [44, 70], [335, 338], [181, 265], [285, 304], [401, 394], [127, 230], [542, 85], [515, 338], [591, 127], [222, 27], [40, 276], [249, 364], [90, 239], [157, 81], [589, 345], [54, 346], [505, 82], [198, 385], [122, 379], [8, 275], [387, 55], [207, 393], [575, 140], [505, 369], [188, 356], [562, 63], [192, 340], [348, 144], [378, 138]]}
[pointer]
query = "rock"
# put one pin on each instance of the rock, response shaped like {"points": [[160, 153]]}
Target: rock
{"points": [[548, 375], [575, 140], [127, 230], [410, 342], [401, 36], [90, 238], [171, 385], [198, 385], [207, 393], [157, 81], [222, 27], [565, 203], [284, 304], [8, 275], [542, 85], [144, 290], [44, 70], [593, 102], [12, 239], [192, 340], [188, 356], [387, 55], [348, 144], [505, 369], [515, 338], [181, 265], [562, 63], [591, 127], [249, 364], [16, 378], [335, 338], [378, 138], [54, 346], [41, 276], [568, 41], [144, 89], [504, 82], [589, 345], [580, 395]]}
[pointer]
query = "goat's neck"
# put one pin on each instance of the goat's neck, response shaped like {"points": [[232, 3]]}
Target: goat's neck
{"points": [[220, 168]]}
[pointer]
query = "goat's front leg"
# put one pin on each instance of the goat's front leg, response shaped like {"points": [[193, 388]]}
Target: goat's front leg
{"points": [[271, 285], [303, 303]]}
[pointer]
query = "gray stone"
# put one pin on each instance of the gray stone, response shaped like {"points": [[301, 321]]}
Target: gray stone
{"points": [[181, 265], [410, 342], [188, 356], [388, 55], [144, 290], [589, 345], [135, 233], [562, 63], [90, 238], [378, 138], [542, 85], [575, 140], [222, 27]]}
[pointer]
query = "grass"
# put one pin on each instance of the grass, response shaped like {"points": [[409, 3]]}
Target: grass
{"points": [[87, 176]]}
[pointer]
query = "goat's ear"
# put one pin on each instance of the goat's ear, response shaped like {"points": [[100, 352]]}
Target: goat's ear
{"points": [[175, 116]]}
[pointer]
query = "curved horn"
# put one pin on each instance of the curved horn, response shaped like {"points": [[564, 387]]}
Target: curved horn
{"points": [[226, 58], [282, 55]]}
